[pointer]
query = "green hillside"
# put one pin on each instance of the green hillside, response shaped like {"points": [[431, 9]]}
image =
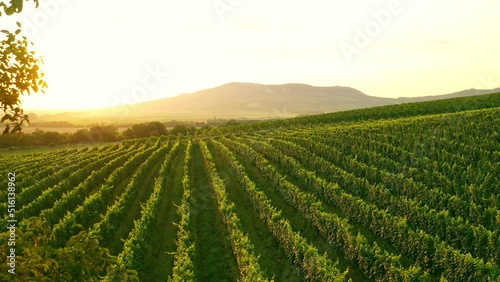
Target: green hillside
{"points": [[239, 100], [395, 193]]}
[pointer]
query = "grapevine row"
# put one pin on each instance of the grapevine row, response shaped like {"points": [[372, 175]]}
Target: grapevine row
{"points": [[49, 196], [116, 213], [243, 249], [315, 266], [462, 235], [96, 202], [134, 248], [183, 269], [382, 266], [406, 186], [430, 252], [75, 196]]}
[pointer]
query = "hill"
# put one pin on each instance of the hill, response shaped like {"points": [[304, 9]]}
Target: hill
{"points": [[463, 93], [263, 101], [248, 100]]}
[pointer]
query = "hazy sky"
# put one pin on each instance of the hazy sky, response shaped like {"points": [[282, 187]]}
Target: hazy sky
{"points": [[105, 53]]}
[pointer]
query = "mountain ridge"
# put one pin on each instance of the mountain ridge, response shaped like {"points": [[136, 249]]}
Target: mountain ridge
{"points": [[252, 101]]}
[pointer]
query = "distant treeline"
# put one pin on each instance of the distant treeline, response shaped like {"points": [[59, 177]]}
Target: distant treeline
{"points": [[212, 122], [99, 133], [109, 133]]}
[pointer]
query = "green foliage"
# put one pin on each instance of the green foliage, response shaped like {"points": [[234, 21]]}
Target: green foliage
{"points": [[409, 199], [117, 212], [14, 6], [81, 259], [243, 249], [20, 74], [232, 122], [94, 134], [120, 274], [146, 130], [95, 203], [316, 267], [133, 249], [183, 269], [19, 69], [376, 113], [182, 129]]}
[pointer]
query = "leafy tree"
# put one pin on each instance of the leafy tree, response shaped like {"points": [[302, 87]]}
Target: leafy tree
{"points": [[232, 122], [96, 133], [81, 135], [82, 259], [103, 133], [182, 129], [19, 70], [157, 128], [14, 6], [146, 130]]}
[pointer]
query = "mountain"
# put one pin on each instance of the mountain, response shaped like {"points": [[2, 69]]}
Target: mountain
{"points": [[249, 100], [260, 101]]}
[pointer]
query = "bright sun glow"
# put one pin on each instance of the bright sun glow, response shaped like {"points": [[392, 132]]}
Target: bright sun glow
{"points": [[105, 53]]}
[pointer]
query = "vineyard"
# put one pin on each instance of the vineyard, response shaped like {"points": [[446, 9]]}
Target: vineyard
{"points": [[396, 193]]}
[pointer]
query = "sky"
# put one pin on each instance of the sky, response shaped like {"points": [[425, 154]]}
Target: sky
{"points": [[105, 53]]}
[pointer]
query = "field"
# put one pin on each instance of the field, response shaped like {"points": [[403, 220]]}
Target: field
{"points": [[396, 193], [64, 129], [19, 151]]}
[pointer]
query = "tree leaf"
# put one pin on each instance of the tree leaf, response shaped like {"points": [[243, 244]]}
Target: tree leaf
{"points": [[5, 117]]}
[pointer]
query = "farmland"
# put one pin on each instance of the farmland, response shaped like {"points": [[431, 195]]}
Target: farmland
{"points": [[397, 193]]}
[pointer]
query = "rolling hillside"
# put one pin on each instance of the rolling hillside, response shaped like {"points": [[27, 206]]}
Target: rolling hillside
{"points": [[394, 193], [257, 100], [248, 100]]}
